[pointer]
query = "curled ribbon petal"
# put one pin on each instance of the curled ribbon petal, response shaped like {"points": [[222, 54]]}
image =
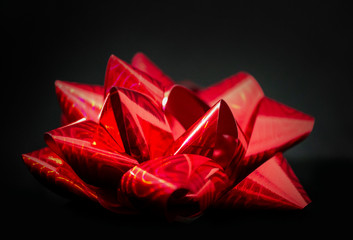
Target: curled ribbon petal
{"points": [[215, 135], [91, 152], [79, 100], [144, 64], [277, 127], [111, 118], [143, 127], [180, 186], [272, 185], [55, 173], [122, 74], [242, 93], [182, 109]]}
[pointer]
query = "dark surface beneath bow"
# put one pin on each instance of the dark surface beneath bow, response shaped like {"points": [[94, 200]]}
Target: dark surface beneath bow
{"points": [[32, 207]]}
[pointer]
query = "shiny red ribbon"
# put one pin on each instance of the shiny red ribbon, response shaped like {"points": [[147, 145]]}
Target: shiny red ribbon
{"points": [[143, 143]]}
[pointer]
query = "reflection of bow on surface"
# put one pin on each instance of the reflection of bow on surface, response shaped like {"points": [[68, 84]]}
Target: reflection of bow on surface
{"points": [[142, 142]]}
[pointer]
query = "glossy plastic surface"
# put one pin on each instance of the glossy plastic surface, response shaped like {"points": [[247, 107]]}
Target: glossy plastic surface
{"points": [[143, 143], [179, 186], [277, 127], [272, 185], [217, 136], [182, 109], [122, 74], [79, 100], [242, 93], [143, 127], [56, 174], [144, 64], [91, 152]]}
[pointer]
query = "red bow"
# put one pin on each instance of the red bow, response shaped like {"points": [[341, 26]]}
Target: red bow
{"points": [[143, 143]]}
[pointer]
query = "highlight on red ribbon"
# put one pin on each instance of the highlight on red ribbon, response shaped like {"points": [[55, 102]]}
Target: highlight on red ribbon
{"points": [[142, 143]]}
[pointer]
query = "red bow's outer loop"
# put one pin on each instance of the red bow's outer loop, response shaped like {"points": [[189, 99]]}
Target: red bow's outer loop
{"points": [[91, 152], [79, 100], [58, 176], [272, 185]]}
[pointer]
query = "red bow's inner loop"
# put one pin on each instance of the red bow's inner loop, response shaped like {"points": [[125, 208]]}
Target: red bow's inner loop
{"points": [[182, 109], [91, 152], [112, 119], [242, 93], [183, 185], [215, 135], [142, 126], [230, 145]]}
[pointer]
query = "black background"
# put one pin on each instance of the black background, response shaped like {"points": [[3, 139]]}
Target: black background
{"points": [[300, 53]]}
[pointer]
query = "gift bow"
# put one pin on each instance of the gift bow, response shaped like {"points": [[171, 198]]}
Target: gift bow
{"points": [[143, 143]]}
